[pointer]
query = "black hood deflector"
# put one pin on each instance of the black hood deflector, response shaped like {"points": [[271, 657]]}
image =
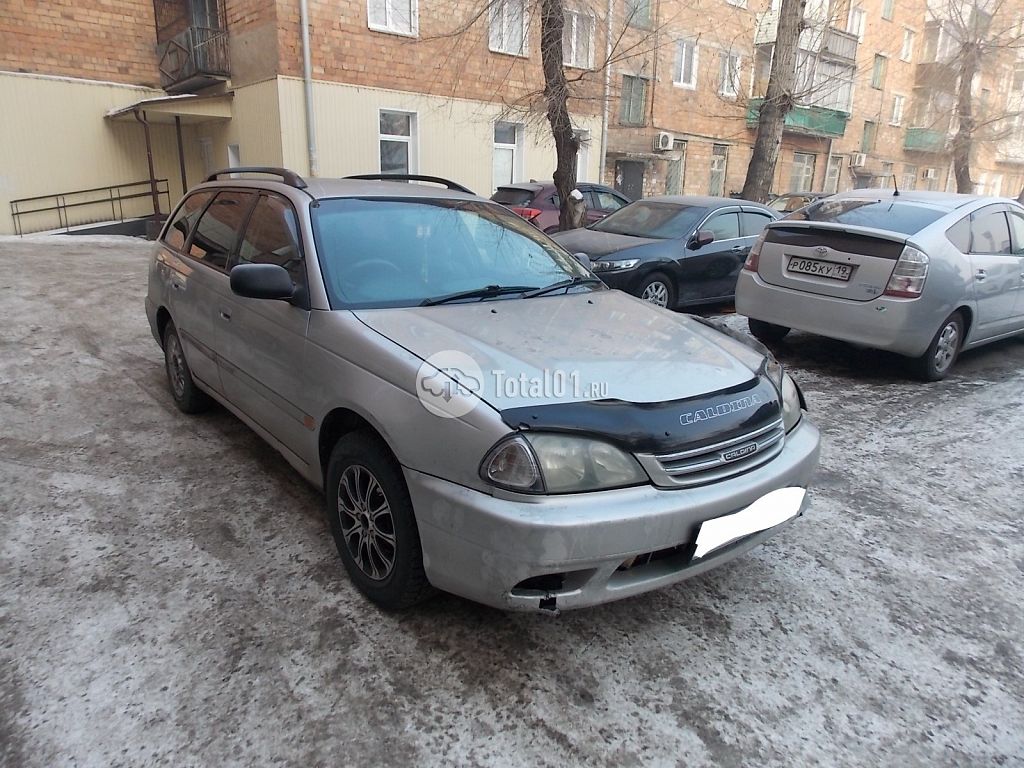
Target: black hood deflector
{"points": [[658, 427]]}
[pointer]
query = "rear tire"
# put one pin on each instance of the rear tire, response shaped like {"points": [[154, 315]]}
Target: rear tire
{"points": [[769, 333], [373, 523], [936, 363], [658, 290], [187, 396]]}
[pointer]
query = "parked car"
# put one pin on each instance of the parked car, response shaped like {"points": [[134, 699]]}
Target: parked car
{"points": [[539, 204], [794, 201], [672, 251], [923, 274], [482, 414]]}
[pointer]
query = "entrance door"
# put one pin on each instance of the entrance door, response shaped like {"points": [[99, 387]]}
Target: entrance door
{"points": [[629, 178]]}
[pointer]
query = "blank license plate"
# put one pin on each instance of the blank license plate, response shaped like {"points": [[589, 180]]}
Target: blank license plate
{"points": [[830, 269]]}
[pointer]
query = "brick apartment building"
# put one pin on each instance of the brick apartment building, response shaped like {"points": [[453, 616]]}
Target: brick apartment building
{"points": [[96, 90]]}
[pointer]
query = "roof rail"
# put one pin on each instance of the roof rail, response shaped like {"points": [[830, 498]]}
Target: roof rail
{"points": [[411, 177], [291, 178]]}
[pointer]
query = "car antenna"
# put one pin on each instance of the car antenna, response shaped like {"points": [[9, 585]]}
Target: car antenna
{"points": [[896, 186]]}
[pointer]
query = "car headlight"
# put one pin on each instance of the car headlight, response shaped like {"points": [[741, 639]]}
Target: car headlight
{"points": [[550, 463], [791, 403], [614, 266], [772, 368]]}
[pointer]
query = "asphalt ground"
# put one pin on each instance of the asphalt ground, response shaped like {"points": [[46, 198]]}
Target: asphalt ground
{"points": [[170, 593]]}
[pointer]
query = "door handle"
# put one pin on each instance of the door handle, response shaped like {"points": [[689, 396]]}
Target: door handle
{"points": [[980, 275], [225, 315], [738, 248]]}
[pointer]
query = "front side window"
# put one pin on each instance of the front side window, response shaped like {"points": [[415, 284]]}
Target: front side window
{"points": [[803, 172], [507, 157], [606, 201], [753, 222], [665, 221], [272, 237], [216, 233], [578, 40], [508, 27], [177, 232], [684, 73], [634, 97], [729, 74], [397, 16], [990, 233], [397, 142], [399, 252], [724, 226]]}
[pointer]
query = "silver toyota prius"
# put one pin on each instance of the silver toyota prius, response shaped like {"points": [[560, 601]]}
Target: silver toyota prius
{"points": [[923, 274], [483, 415]]}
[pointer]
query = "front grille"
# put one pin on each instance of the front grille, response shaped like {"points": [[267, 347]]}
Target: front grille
{"points": [[711, 463]]}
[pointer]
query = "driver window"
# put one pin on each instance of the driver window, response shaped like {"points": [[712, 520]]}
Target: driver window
{"points": [[1017, 230], [726, 226], [272, 238]]}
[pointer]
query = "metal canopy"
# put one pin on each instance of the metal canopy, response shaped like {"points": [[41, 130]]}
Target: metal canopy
{"points": [[189, 108]]}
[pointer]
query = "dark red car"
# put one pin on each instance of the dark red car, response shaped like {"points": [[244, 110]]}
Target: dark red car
{"points": [[538, 203]]}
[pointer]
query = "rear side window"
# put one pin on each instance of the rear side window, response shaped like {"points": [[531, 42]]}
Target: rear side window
{"points": [[726, 226], [905, 218], [512, 196], [216, 233], [753, 222], [177, 233], [272, 237], [990, 233], [960, 235]]}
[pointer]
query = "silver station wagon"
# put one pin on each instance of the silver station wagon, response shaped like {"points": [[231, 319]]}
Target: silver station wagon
{"points": [[923, 274], [483, 415]]}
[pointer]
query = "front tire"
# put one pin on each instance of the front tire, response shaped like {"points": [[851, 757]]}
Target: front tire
{"points": [[373, 523], [769, 333], [187, 396], [657, 289], [936, 363]]}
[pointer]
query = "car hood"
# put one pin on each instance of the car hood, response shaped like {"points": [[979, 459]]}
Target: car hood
{"points": [[597, 345], [597, 244]]}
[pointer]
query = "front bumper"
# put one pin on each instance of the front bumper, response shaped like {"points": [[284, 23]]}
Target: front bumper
{"points": [[480, 546]]}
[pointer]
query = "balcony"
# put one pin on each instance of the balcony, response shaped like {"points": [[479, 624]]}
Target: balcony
{"points": [[195, 58], [829, 42], [937, 75], [807, 121], [1011, 151], [924, 140]]}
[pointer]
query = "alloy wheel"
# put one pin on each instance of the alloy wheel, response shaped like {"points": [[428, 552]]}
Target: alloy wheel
{"points": [[367, 525], [176, 369], [656, 293], [945, 349]]}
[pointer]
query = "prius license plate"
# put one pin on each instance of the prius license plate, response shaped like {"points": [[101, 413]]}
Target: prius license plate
{"points": [[830, 269]]}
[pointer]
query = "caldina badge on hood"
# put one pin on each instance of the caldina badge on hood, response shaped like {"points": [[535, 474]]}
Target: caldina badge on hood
{"points": [[713, 412]]}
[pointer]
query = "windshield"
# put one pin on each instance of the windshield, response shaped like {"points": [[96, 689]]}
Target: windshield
{"points": [[667, 221], [905, 218], [399, 252]]}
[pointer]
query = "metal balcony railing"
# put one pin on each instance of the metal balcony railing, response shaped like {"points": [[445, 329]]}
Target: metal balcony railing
{"points": [[193, 58]]}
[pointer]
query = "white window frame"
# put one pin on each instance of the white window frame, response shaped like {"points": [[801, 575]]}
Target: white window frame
{"points": [[736, 81], [800, 180], [737, 3], [834, 173], [889, 5], [907, 50], [500, 22], [517, 153], [570, 54], [582, 154], [677, 77], [884, 71], [908, 179], [724, 169], [899, 104], [856, 22], [643, 104], [412, 139], [389, 25]]}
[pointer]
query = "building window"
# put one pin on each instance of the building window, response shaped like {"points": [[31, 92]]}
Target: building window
{"points": [[898, 102], [578, 40], [719, 165], [582, 154], [909, 178], [737, 3], [907, 51], [802, 179], [1017, 86], [888, 6], [634, 99], [399, 17], [887, 177], [638, 13], [684, 72], [508, 27], [729, 74], [856, 21], [878, 71], [507, 160], [867, 140], [832, 173], [397, 142]]}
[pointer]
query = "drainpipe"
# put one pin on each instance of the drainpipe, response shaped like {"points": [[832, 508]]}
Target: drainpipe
{"points": [[828, 164], [607, 91], [149, 158], [307, 76]]}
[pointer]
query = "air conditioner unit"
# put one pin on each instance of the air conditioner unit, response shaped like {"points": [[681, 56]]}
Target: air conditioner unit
{"points": [[858, 160], [931, 173], [663, 141]]}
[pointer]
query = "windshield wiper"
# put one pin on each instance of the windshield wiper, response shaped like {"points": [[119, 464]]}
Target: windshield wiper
{"points": [[564, 284], [487, 292]]}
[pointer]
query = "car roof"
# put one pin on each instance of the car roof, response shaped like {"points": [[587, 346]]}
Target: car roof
{"points": [[324, 188], [949, 201], [701, 201]]}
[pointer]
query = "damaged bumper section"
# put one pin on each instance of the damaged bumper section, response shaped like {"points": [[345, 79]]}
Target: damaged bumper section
{"points": [[553, 553]]}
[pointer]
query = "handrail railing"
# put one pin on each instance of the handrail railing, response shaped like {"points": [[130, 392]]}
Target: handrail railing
{"points": [[86, 206]]}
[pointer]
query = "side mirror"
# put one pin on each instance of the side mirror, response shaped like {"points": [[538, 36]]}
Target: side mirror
{"points": [[583, 259], [701, 238], [262, 281]]}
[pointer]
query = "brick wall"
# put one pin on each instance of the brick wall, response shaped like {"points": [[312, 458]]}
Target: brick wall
{"points": [[95, 39]]}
